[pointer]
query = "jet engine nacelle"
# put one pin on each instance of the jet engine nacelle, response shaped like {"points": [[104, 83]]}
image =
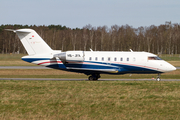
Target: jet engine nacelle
{"points": [[71, 56]]}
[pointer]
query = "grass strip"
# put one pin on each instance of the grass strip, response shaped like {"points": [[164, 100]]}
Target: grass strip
{"points": [[81, 100]]}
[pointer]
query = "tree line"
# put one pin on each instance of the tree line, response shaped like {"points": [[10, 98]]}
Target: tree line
{"points": [[162, 39]]}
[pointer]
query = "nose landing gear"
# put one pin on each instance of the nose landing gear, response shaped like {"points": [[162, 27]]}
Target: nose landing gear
{"points": [[158, 77]]}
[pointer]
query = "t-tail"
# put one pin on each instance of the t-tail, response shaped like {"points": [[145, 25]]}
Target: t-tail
{"points": [[32, 42]]}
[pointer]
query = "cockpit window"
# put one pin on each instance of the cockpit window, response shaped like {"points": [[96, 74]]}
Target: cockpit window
{"points": [[154, 58]]}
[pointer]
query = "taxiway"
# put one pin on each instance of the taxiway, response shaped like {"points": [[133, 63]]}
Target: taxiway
{"points": [[68, 79]]}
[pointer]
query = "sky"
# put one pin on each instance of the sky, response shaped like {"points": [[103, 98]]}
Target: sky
{"points": [[79, 13]]}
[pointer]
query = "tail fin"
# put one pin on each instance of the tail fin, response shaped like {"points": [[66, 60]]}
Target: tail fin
{"points": [[32, 42]]}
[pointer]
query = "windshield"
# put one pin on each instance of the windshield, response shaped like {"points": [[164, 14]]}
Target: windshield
{"points": [[154, 58]]}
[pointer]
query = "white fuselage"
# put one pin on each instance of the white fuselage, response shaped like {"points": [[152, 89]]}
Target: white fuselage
{"points": [[132, 59], [103, 62]]}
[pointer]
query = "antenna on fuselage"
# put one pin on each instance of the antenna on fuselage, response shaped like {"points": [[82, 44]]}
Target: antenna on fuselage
{"points": [[131, 50], [91, 50]]}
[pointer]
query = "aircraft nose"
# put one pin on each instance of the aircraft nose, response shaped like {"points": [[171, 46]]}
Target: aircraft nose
{"points": [[174, 68], [171, 68]]}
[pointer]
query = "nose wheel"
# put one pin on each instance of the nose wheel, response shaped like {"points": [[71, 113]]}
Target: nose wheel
{"points": [[158, 77]]}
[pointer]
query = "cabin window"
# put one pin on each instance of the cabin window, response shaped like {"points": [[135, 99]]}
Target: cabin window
{"points": [[96, 58], [102, 58], [90, 58], [121, 59], [115, 59], [154, 58], [127, 59], [109, 58]]}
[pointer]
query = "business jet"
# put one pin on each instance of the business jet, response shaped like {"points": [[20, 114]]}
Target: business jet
{"points": [[91, 63]]}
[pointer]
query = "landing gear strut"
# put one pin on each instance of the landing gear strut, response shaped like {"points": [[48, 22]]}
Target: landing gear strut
{"points": [[94, 76], [158, 77]]}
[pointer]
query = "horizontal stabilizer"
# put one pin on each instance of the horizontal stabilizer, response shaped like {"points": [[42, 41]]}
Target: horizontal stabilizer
{"points": [[11, 30]]}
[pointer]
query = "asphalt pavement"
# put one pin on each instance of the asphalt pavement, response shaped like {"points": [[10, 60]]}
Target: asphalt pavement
{"points": [[76, 79]]}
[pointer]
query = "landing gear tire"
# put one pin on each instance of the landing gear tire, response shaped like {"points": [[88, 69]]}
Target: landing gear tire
{"points": [[158, 78], [94, 77], [91, 78]]}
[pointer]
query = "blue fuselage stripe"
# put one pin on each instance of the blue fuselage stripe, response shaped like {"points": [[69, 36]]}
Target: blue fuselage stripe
{"points": [[96, 65]]}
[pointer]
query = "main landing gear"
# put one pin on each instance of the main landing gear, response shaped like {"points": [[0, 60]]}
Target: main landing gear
{"points": [[94, 76], [158, 77]]}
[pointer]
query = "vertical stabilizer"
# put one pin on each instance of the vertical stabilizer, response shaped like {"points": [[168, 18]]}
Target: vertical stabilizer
{"points": [[32, 42]]}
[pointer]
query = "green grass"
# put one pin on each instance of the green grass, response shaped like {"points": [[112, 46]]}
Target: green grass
{"points": [[11, 57], [104, 100], [83, 100]]}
